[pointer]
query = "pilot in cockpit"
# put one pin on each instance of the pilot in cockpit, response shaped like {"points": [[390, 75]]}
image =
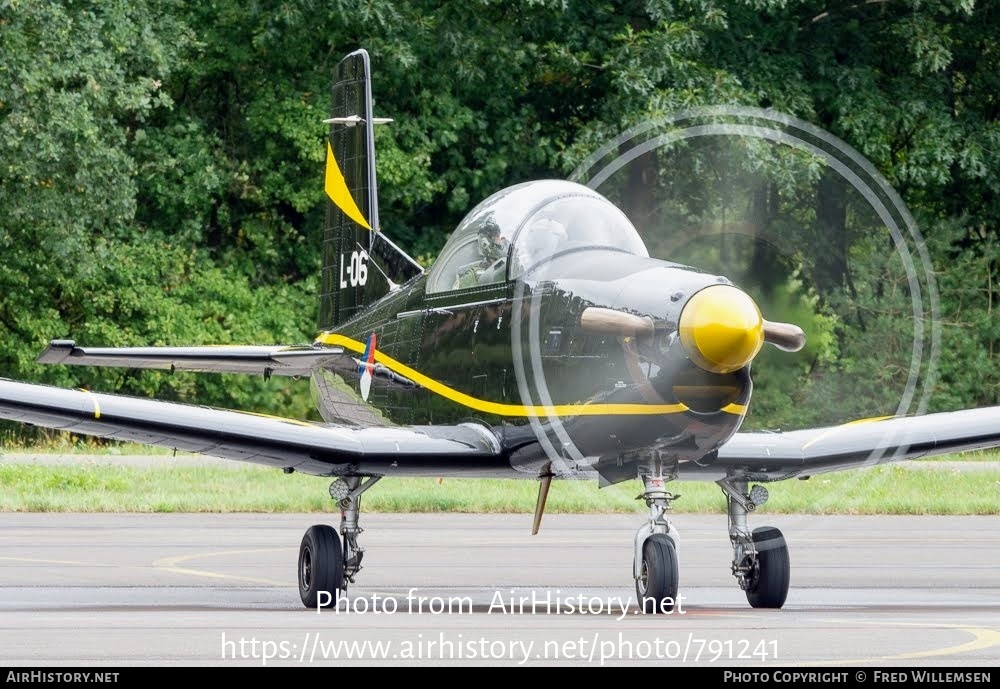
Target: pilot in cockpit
{"points": [[491, 266]]}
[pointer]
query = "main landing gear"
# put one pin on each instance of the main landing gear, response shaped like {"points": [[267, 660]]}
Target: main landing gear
{"points": [[760, 558], [327, 563]]}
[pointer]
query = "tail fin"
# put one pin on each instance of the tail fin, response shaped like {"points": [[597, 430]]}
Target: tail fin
{"points": [[360, 264]]}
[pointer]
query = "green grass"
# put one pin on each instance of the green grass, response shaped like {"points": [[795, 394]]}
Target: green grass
{"points": [[98, 488], [974, 456], [67, 444]]}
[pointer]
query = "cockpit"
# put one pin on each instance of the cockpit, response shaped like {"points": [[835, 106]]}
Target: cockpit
{"points": [[522, 226]]}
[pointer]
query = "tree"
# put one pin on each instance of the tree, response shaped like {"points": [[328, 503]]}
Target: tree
{"points": [[161, 162]]}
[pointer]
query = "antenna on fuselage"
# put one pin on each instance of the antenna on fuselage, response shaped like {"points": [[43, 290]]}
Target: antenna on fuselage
{"points": [[354, 120], [392, 285]]}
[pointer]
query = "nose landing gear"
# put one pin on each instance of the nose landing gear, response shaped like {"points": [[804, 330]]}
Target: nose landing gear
{"points": [[655, 567]]}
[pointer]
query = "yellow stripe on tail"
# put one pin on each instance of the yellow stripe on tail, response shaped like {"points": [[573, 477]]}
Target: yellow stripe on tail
{"points": [[336, 189]]}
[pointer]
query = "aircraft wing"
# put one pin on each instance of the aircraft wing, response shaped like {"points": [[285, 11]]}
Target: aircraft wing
{"points": [[468, 449], [264, 360], [860, 443]]}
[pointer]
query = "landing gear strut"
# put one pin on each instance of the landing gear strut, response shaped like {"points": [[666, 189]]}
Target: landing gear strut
{"points": [[760, 558], [327, 563], [655, 564]]}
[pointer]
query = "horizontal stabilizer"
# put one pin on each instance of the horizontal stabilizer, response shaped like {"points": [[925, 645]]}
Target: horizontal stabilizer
{"points": [[259, 360]]}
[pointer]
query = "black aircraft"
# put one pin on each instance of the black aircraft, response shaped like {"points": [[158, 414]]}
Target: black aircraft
{"points": [[543, 343]]}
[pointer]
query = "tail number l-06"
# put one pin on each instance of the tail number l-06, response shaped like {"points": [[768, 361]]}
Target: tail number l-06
{"points": [[357, 269]]}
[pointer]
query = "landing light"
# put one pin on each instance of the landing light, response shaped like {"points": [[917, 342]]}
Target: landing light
{"points": [[758, 495], [339, 489]]}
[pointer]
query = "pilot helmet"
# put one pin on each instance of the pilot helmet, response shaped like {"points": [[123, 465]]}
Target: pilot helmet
{"points": [[491, 245]]}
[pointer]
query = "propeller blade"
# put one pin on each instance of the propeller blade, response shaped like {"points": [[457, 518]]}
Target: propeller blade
{"points": [[785, 336], [545, 480], [595, 319]]}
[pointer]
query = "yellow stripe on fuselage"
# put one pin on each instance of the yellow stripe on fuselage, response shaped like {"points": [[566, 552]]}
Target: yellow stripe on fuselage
{"points": [[502, 409]]}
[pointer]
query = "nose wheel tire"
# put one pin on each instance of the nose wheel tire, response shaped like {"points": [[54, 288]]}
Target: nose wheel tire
{"points": [[770, 582], [321, 567], [656, 587]]}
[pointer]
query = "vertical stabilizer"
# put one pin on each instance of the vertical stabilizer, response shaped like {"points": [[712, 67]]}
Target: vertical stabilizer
{"points": [[360, 265]]}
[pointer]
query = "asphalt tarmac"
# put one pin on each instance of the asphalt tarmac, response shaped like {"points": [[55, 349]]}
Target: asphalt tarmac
{"points": [[122, 589]]}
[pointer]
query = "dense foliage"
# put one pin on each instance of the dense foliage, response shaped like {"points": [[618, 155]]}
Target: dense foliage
{"points": [[160, 161]]}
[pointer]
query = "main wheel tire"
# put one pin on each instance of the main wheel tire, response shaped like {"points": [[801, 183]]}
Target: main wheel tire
{"points": [[321, 567], [656, 587], [770, 586]]}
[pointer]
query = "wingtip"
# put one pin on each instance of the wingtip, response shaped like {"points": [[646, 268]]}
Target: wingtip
{"points": [[56, 352]]}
